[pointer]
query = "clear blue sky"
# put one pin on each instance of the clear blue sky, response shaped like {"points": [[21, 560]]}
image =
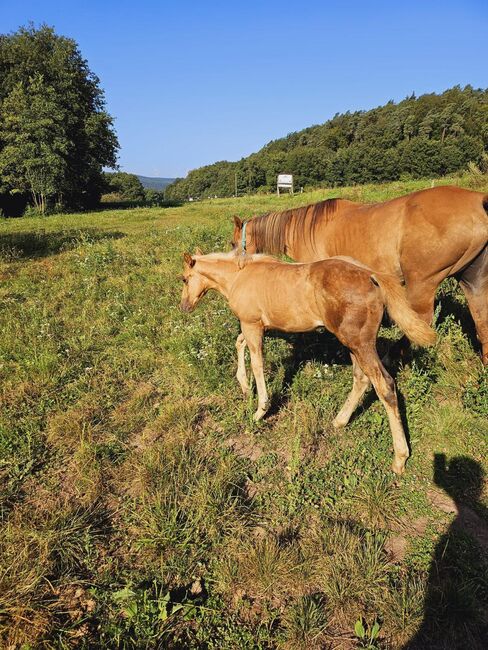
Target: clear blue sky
{"points": [[193, 82]]}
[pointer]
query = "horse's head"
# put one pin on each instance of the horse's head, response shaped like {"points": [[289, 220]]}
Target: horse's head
{"points": [[195, 285], [244, 244]]}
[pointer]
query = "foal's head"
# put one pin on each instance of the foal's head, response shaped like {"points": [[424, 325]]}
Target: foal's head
{"points": [[195, 285]]}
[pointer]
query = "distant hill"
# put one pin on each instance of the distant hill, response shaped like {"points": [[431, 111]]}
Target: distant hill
{"points": [[420, 137], [155, 183]]}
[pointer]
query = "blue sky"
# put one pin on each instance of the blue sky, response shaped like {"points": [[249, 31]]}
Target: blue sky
{"points": [[190, 83]]}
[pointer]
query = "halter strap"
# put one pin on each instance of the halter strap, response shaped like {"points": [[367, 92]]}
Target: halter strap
{"points": [[243, 237]]}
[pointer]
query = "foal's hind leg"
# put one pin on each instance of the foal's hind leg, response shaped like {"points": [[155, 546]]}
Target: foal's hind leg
{"points": [[385, 389], [360, 385], [474, 283], [241, 364]]}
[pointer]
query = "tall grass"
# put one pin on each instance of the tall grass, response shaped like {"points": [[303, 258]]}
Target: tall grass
{"points": [[140, 506]]}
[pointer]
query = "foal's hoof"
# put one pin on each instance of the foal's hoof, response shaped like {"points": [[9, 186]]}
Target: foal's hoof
{"points": [[338, 423], [260, 413], [398, 467]]}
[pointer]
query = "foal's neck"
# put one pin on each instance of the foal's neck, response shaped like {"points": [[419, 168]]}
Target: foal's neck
{"points": [[220, 274]]}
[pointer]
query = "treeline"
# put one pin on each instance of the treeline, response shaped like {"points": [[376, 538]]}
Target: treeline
{"points": [[427, 136], [55, 134], [121, 187]]}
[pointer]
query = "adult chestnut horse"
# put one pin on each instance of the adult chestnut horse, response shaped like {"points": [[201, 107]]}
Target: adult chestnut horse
{"points": [[421, 238], [339, 294]]}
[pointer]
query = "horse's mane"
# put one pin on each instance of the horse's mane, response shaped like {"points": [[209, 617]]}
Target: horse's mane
{"points": [[269, 230]]}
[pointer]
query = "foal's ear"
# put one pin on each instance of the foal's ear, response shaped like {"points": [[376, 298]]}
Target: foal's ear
{"points": [[198, 251], [237, 222], [188, 259]]}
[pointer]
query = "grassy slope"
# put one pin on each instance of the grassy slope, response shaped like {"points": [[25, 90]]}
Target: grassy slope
{"points": [[141, 507]]}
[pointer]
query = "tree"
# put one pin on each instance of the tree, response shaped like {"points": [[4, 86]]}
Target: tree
{"points": [[127, 186], [34, 143], [55, 134]]}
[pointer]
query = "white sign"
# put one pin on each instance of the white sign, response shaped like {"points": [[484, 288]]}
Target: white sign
{"points": [[285, 180]]}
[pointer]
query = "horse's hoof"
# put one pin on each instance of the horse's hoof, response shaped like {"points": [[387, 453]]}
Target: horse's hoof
{"points": [[338, 424]]}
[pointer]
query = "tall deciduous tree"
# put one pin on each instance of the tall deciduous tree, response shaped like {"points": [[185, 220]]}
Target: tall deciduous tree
{"points": [[55, 134]]}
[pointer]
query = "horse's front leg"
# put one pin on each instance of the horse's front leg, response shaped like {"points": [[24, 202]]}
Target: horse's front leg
{"points": [[241, 374], [253, 335]]}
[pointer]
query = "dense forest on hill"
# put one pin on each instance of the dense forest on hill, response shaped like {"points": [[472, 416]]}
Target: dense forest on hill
{"points": [[427, 136]]}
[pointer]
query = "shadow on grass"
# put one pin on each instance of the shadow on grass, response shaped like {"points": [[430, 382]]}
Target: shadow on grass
{"points": [[452, 305], [323, 347], [456, 602], [20, 245]]}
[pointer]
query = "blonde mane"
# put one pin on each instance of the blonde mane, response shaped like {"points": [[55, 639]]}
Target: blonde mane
{"points": [[238, 258]]}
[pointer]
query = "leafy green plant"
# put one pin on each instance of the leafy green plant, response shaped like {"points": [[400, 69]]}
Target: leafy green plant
{"points": [[366, 634]]}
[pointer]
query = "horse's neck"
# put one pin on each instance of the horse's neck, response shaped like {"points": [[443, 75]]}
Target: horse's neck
{"points": [[220, 275], [306, 240]]}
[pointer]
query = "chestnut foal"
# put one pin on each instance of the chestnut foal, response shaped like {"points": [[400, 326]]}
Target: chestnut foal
{"points": [[337, 293]]}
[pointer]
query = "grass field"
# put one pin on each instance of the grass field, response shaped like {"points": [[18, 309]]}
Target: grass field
{"points": [[141, 507]]}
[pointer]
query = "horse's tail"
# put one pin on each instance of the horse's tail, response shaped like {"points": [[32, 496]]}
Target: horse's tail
{"points": [[395, 300]]}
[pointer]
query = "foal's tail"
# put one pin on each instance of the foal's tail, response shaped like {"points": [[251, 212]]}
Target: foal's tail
{"points": [[405, 317]]}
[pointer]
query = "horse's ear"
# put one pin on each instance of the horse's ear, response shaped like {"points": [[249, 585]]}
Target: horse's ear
{"points": [[188, 259], [237, 222], [198, 251]]}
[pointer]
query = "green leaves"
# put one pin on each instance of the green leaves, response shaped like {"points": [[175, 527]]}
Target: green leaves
{"points": [[367, 635], [55, 135]]}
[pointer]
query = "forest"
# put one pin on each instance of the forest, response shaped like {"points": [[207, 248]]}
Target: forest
{"points": [[420, 137]]}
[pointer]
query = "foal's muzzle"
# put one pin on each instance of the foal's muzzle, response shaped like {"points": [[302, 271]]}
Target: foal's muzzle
{"points": [[186, 306]]}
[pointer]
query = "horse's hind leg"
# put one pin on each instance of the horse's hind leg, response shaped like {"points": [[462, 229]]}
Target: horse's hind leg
{"points": [[241, 375], [385, 389], [474, 283], [360, 385]]}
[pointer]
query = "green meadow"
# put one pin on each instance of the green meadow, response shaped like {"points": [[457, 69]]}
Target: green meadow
{"points": [[141, 506]]}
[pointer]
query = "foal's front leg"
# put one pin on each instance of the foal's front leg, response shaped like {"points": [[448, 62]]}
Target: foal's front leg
{"points": [[253, 335], [241, 374]]}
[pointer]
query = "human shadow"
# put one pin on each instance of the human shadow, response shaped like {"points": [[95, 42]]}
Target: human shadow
{"points": [[456, 601], [35, 244]]}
